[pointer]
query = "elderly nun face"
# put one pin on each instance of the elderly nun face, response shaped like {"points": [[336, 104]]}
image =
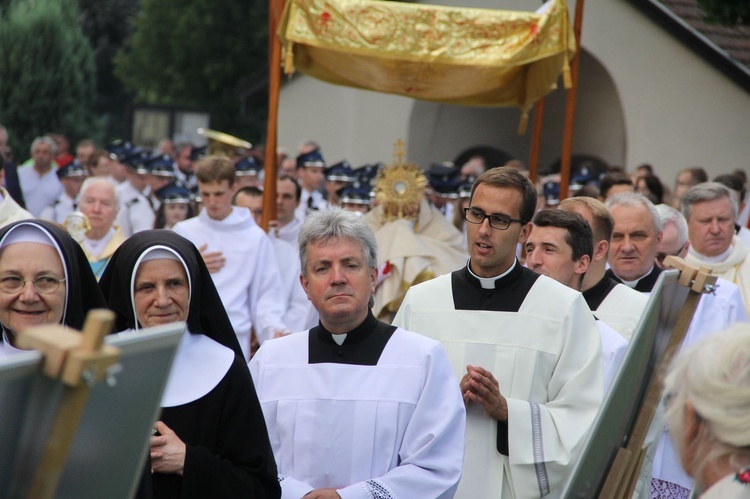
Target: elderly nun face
{"points": [[161, 291], [32, 292]]}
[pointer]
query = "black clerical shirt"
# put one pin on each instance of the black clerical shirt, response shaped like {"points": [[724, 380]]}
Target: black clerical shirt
{"points": [[363, 345], [508, 295], [645, 284]]}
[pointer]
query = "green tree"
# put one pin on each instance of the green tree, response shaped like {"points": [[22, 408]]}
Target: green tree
{"points": [[729, 12], [47, 80], [199, 54], [107, 24]]}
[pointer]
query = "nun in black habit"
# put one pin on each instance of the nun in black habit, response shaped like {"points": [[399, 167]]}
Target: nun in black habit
{"points": [[212, 439], [36, 288]]}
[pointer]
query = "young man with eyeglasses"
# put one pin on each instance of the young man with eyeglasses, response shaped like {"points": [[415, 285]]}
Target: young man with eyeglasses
{"points": [[525, 350]]}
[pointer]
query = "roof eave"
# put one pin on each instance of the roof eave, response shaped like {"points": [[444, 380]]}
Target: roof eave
{"points": [[697, 41]]}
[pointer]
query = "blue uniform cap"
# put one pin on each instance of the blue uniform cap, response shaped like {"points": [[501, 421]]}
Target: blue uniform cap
{"points": [[173, 193], [444, 179], [353, 195], [161, 165], [247, 167], [311, 159], [340, 172], [72, 169]]}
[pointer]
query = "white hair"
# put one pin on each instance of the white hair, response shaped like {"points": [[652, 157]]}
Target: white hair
{"points": [[669, 215], [714, 376], [635, 199], [96, 181]]}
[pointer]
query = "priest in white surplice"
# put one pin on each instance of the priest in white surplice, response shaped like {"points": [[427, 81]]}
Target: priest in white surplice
{"points": [[356, 408], [525, 348]]}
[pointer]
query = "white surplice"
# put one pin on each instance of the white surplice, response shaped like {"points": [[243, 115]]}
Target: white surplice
{"points": [[622, 309], [547, 358], [392, 430]]}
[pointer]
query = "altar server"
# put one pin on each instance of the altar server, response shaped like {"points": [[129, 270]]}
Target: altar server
{"points": [[525, 348], [357, 408]]}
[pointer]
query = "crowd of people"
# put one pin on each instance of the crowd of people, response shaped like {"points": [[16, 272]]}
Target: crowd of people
{"points": [[460, 351]]}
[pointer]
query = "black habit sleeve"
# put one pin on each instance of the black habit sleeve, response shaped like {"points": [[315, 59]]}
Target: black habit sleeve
{"points": [[228, 453]]}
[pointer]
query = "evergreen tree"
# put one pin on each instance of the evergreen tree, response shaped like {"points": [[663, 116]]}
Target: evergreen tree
{"points": [[197, 54], [47, 80]]}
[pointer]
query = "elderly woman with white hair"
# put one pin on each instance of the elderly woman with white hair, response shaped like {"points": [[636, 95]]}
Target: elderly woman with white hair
{"points": [[98, 200], [708, 412]]}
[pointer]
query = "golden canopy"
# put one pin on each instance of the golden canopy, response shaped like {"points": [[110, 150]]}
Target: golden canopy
{"points": [[465, 56]]}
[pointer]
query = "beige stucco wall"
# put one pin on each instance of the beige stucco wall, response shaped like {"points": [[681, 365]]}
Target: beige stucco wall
{"points": [[677, 110]]}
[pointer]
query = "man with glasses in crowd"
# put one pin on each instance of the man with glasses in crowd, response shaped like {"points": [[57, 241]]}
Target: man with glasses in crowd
{"points": [[525, 350]]}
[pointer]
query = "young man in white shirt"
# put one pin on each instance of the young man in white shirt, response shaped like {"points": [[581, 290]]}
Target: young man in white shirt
{"points": [[248, 281]]}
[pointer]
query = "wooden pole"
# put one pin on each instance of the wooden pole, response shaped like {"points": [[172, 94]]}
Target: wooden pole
{"points": [[275, 10], [536, 140], [570, 105]]}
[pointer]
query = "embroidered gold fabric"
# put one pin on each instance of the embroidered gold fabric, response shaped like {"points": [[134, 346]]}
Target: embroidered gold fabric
{"points": [[477, 57]]}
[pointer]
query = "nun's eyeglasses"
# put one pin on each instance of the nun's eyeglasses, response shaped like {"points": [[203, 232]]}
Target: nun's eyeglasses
{"points": [[43, 284]]}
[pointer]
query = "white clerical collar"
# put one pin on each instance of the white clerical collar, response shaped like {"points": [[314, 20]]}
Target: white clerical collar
{"points": [[199, 365], [712, 259], [633, 284], [339, 338], [489, 282]]}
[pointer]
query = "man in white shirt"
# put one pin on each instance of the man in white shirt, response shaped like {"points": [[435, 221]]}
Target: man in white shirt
{"points": [[287, 224], [299, 313], [71, 176], [135, 213], [310, 174], [38, 180], [356, 408], [248, 282]]}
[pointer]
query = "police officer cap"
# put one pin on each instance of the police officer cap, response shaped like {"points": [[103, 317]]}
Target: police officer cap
{"points": [[551, 192], [340, 172], [311, 159], [247, 167], [198, 153], [72, 169], [444, 179], [366, 175], [173, 193], [161, 165], [136, 160], [464, 189], [353, 195], [584, 175], [119, 150]]}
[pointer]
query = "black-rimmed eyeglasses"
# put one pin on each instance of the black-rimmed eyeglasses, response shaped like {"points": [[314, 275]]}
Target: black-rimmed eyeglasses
{"points": [[43, 284], [499, 222]]}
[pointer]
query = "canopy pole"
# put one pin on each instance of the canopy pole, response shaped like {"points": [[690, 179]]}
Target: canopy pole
{"points": [[275, 10], [570, 105], [536, 140]]}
